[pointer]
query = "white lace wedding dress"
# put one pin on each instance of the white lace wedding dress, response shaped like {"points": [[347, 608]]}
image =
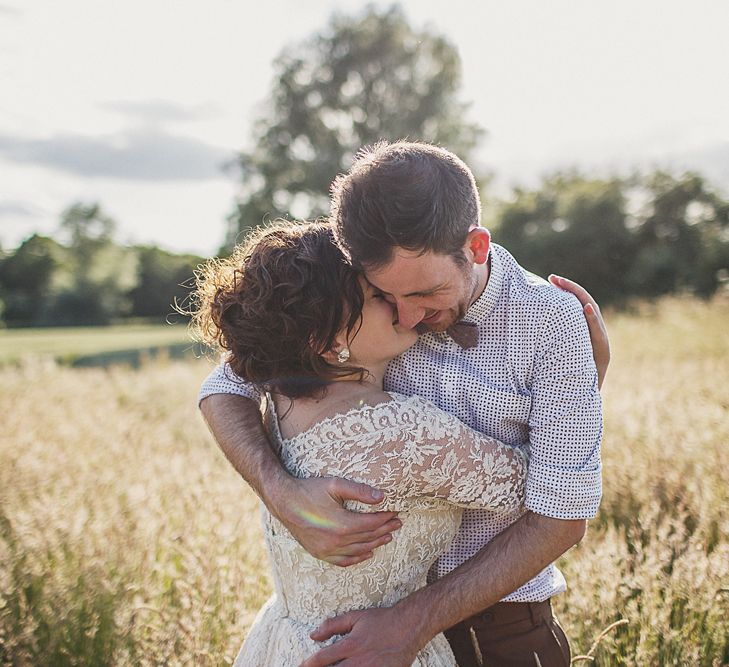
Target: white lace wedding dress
{"points": [[429, 466]]}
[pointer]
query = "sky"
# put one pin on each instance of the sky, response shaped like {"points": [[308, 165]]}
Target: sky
{"points": [[142, 105]]}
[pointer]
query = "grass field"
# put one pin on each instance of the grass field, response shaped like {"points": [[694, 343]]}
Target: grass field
{"points": [[92, 345], [127, 539]]}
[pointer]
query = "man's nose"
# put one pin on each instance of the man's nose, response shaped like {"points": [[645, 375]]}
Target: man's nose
{"points": [[409, 316]]}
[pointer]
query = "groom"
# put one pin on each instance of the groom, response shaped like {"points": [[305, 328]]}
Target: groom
{"points": [[408, 214]]}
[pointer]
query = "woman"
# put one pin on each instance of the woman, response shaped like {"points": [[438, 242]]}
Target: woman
{"points": [[301, 324]]}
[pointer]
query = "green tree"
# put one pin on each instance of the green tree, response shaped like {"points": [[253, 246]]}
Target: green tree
{"points": [[27, 280], [643, 236], [94, 284], [681, 237], [86, 226], [573, 226], [163, 279], [362, 79]]}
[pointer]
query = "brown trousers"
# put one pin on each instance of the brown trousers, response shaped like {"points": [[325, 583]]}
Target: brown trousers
{"points": [[510, 634]]}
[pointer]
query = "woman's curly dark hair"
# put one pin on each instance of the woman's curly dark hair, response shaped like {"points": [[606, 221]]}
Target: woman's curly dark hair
{"points": [[276, 305]]}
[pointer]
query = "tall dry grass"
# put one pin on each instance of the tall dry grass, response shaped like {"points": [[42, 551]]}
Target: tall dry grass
{"points": [[658, 552], [126, 538]]}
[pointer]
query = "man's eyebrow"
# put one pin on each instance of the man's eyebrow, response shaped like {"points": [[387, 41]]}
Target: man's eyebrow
{"points": [[427, 292]]}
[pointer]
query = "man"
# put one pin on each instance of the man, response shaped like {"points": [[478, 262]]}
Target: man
{"points": [[408, 214]]}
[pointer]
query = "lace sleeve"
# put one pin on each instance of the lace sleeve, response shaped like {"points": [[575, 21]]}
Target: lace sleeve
{"points": [[439, 456]]}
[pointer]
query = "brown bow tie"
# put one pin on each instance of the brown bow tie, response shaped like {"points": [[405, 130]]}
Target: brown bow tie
{"points": [[464, 334]]}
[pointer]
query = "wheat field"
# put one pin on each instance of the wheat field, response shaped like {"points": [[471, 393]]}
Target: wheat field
{"points": [[127, 539]]}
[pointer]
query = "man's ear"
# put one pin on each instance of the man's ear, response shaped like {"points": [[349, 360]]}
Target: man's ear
{"points": [[478, 243]]}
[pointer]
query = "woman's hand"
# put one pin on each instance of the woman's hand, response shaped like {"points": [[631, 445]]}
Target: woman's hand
{"points": [[598, 331]]}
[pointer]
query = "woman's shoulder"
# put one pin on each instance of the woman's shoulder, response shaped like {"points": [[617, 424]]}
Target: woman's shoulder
{"points": [[390, 414], [351, 416]]}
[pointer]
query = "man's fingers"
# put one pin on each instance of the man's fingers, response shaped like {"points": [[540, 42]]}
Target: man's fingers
{"points": [[339, 625], [358, 552], [347, 561], [330, 655], [334, 534], [363, 548], [387, 528], [365, 526], [344, 489]]}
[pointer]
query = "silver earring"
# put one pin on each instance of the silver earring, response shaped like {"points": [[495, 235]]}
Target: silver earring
{"points": [[343, 355]]}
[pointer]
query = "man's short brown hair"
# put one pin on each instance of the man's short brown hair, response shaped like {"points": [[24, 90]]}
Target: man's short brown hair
{"points": [[408, 195]]}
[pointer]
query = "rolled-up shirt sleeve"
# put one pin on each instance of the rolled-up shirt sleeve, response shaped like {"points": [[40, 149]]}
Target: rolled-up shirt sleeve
{"points": [[222, 380], [565, 425]]}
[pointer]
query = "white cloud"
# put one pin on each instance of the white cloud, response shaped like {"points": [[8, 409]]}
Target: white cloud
{"points": [[154, 112], [141, 154]]}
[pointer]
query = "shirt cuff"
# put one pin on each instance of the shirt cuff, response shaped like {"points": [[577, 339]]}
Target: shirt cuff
{"points": [[563, 494]]}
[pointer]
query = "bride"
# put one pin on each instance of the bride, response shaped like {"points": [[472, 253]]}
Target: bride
{"points": [[299, 323]]}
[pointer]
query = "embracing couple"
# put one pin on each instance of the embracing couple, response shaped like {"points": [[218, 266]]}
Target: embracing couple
{"points": [[430, 440]]}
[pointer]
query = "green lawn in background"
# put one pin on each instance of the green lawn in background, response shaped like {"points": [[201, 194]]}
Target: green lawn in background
{"points": [[124, 343]]}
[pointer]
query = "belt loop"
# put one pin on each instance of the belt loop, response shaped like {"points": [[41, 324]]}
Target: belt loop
{"points": [[476, 646], [532, 613]]}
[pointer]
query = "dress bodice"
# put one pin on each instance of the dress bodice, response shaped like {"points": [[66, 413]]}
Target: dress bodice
{"points": [[429, 466]]}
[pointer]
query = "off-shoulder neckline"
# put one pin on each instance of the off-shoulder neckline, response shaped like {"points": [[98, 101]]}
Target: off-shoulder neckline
{"points": [[395, 397]]}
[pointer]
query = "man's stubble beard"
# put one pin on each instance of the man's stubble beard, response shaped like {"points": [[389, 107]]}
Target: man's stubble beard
{"points": [[461, 309]]}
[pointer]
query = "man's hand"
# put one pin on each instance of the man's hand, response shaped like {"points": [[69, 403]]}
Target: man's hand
{"points": [[598, 331], [374, 638], [312, 509], [392, 636]]}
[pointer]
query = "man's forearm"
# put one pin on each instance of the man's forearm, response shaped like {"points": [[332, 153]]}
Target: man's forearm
{"points": [[236, 424], [507, 562]]}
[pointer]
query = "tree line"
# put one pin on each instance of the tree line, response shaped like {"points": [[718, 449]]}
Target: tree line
{"points": [[89, 278], [623, 238]]}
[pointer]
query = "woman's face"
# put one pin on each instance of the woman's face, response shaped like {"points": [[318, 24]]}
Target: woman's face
{"points": [[380, 338]]}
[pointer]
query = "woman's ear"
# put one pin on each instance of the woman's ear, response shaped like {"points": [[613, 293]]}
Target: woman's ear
{"points": [[339, 352]]}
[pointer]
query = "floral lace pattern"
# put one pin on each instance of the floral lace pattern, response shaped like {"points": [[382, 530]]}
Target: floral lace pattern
{"points": [[429, 466]]}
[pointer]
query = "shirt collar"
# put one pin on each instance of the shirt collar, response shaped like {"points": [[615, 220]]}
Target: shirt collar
{"points": [[482, 307]]}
